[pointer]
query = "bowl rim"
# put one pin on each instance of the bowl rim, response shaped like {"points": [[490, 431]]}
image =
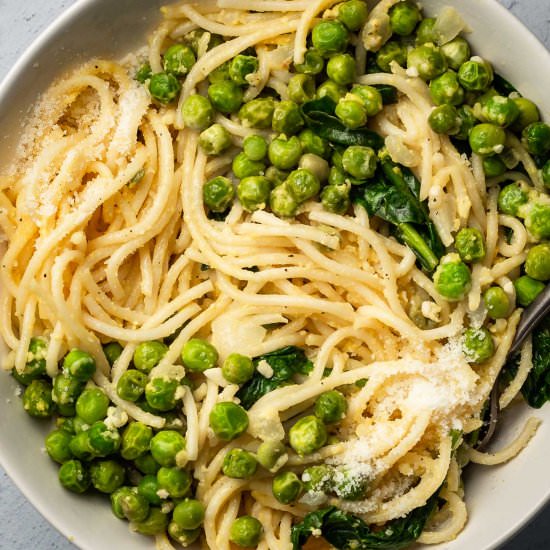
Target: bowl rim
{"points": [[52, 29]]}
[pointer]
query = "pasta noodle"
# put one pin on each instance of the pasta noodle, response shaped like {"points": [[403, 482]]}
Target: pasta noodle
{"points": [[108, 238]]}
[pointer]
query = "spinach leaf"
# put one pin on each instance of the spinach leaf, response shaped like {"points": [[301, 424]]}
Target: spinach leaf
{"points": [[394, 197], [285, 362], [319, 116], [349, 532], [388, 93], [536, 389]]}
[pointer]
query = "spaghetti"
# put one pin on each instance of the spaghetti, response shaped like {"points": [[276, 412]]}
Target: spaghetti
{"points": [[108, 239]]}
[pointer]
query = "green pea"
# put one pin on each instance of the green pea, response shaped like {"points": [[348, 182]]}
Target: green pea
{"points": [[348, 485], [155, 523], [371, 98], [359, 161], [107, 475], [315, 164], [241, 67], [92, 405], [81, 447], [452, 278], [467, 119], [130, 504], [497, 302], [528, 113], [341, 69], [65, 392], [470, 244], [527, 290], [160, 393], [425, 32], [329, 37], [445, 120], [476, 75], [477, 345], [144, 73], [511, 198], [197, 112], [74, 477], [238, 368], [136, 439], [79, 364], [545, 173], [185, 537], [286, 487], [284, 153], [165, 447], [536, 138], [301, 88], [146, 464], [148, 355], [215, 140], [313, 63], [246, 532], [57, 446], [35, 367], [499, 110], [351, 112], [228, 420], [255, 147], [189, 514], [257, 113], [331, 406], [239, 464], [537, 221], [446, 89], [218, 194], [456, 52], [131, 385], [270, 454], [537, 264], [220, 73], [318, 479], [389, 53], [282, 202], [303, 185], [243, 167], [332, 90], [148, 488], [335, 198], [307, 435], [487, 139], [313, 144], [103, 440], [175, 481], [276, 176], [404, 17], [353, 14], [226, 96], [179, 60], [112, 351], [493, 166], [37, 399], [428, 60], [164, 87], [287, 118], [198, 355]]}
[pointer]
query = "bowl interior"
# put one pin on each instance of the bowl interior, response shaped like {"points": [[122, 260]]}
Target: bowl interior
{"points": [[500, 499]]}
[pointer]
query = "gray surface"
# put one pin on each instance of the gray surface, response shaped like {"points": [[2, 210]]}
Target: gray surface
{"points": [[21, 527]]}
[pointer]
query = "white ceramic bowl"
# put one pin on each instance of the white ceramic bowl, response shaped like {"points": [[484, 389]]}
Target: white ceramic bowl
{"points": [[500, 499]]}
